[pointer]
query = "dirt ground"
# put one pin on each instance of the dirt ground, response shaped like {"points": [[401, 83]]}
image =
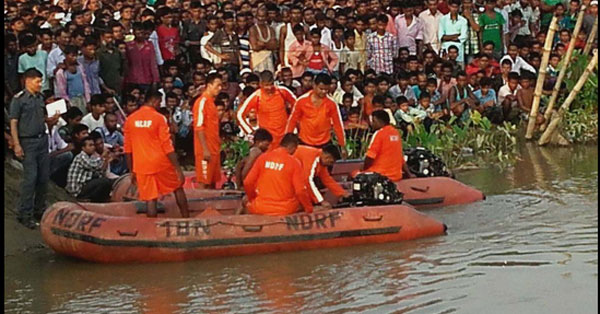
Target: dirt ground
{"points": [[17, 238]]}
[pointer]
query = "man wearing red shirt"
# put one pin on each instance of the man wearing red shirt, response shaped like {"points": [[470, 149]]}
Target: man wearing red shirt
{"points": [[141, 60], [315, 162], [150, 154], [207, 142], [384, 154], [315, 114], [269, 102], [275, 184], [168, 36]]}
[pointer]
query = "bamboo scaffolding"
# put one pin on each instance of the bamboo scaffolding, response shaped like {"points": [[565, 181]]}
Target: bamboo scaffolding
{"points": [[563, 69], [591, 38], [557, 117], [541, 76]]}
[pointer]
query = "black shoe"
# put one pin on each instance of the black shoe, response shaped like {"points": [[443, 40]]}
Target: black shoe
{"points": [[28, 222], [38, 216]]}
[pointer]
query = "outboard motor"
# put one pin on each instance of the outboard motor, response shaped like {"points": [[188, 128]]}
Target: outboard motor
{"points": [[372, 188], [424, 163]]}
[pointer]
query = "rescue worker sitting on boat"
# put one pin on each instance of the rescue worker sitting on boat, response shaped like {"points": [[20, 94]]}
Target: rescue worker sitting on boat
{"points": [[275, 184], [315, 163], [384, 154]]}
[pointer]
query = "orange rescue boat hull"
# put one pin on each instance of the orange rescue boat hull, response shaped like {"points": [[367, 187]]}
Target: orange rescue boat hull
{"points": [[119, 233]]}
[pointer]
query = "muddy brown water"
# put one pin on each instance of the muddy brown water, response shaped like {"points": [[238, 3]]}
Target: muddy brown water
{"points": [[531, 247]]}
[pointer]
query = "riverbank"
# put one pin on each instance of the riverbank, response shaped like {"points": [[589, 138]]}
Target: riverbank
{"points": [[19, 240]]}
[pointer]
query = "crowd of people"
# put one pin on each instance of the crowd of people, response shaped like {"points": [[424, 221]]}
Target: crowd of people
{"points": [[315, 67]]}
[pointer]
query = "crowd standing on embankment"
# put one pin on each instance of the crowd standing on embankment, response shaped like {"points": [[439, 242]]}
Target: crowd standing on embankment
{"points": [[420, 61]]}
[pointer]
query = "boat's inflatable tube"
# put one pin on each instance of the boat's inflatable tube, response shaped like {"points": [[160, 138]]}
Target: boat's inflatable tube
{"points": [[422, 193], [120, 232]]}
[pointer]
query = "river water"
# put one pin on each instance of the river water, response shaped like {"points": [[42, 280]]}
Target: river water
{"points": [[531, 247]]}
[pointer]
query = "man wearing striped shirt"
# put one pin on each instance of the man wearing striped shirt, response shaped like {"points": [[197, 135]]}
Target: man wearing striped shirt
{"points": [[382, 48]]}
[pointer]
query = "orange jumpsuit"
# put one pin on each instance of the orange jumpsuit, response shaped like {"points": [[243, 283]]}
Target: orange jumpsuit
{"points": [[148, 140], [386, 151], [315, 122], [206, 119], [270, 111], [311, 165], [275, 185]]}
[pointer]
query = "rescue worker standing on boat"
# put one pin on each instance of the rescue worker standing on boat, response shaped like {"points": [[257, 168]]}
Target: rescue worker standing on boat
{"points": [[207, 142], [269, 102], [275, 184], [315, 114], [315, 164], [149, 152], [384, 154]]}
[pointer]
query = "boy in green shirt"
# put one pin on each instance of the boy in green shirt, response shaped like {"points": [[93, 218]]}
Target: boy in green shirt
{"points": [[491, 28]]}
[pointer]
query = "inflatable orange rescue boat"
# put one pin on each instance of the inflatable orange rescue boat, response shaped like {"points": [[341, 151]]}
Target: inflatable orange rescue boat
{"points": [[121, 232]]}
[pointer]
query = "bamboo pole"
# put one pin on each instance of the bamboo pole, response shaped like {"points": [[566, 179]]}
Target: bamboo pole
{"points": [[557, 117], [591, 38], [564, 68], [541, 76]]}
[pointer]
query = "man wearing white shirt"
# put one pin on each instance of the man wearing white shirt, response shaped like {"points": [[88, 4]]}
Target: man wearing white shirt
{"points": [[409, 29], [518, 63], [507, 96], [95, 119], [453, 31], [57, 56], [431, 21]]}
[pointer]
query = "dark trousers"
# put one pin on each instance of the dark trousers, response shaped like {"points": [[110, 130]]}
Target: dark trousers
{"points": [[233, 70], [59, 167], [36, 174], [97, 190]]}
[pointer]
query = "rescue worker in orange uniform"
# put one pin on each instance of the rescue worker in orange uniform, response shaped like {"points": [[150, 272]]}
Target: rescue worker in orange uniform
{"points": [[150, 154], [316, 114], [269, 102], [275, 185], [385, 155], [315, 163], [207, 141]]}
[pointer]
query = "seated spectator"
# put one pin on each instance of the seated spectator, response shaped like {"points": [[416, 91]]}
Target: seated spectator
{"points": [[306, 84], [402, 88], [379, 104], [80, 131], [517, 62], [438, 101], [483, 62], [525, 97], [95, 119], [487, 103], [87, 175], [355, 129], [461, 98], [407, 116], [73, 117], [552, 69], [433, 113], [118, 157], [507, 96], [346, 105], [60, 154]]}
